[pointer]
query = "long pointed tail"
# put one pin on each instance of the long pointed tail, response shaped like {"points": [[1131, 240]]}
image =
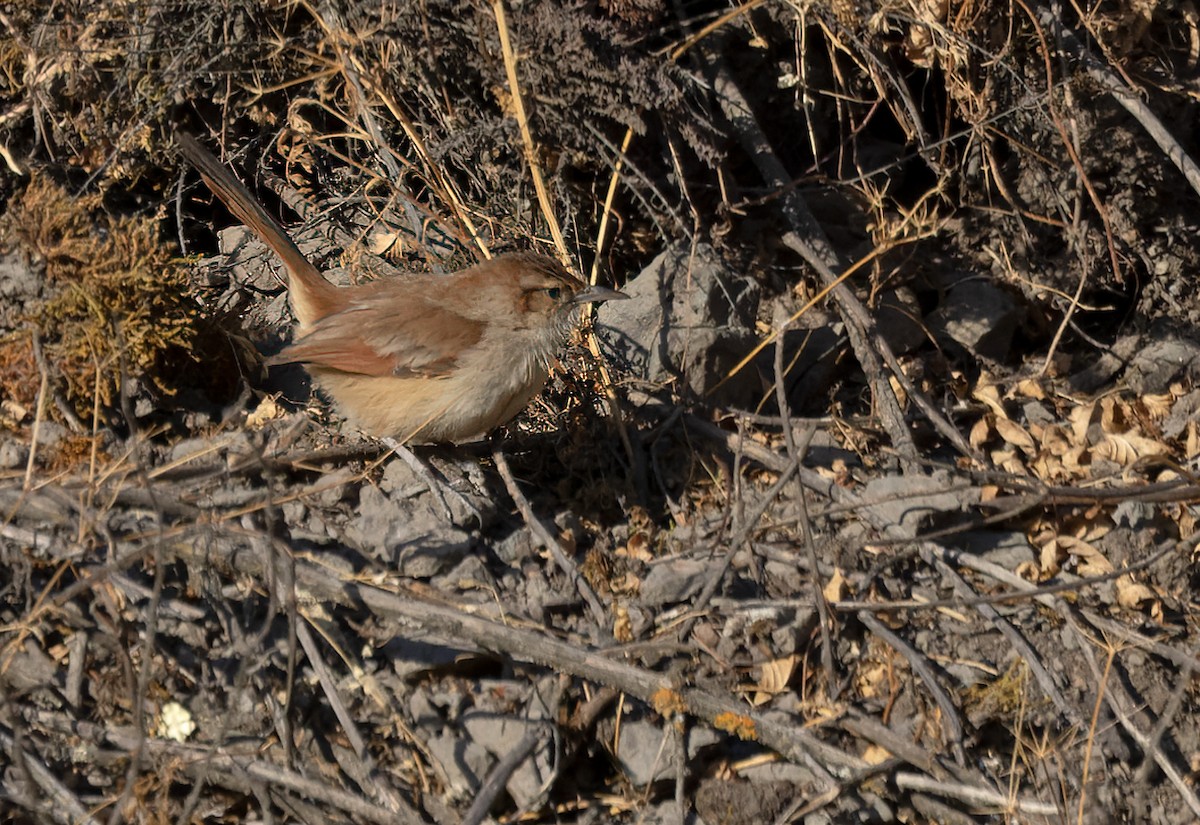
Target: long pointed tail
{"points": [[311, 295]]}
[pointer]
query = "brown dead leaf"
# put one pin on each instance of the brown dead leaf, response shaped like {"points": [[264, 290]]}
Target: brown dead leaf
{"points": [[1091, 561], [1081, 419], [1029, 571], [1029, 388], [1159, 406], [773, 679], [1054, 439], [1008, 461], [989, 395], [875, 755], [835, 589], [1126, 448], [267, 410], [622, 624], [1047, 467], [1015, 435], [1133, 595], [872, 681], [981, 431]]}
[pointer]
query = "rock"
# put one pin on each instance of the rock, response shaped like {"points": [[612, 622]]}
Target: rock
{"points": [[1183, 412], [1100, 371], [688, 322], [498, 734], [21, 284], [1157, 365], [642, 753], [909, 500], [1005, 549], [676, 581], [979, 317], [737, 802], [13, 453], [463, 763], [397, 522]]}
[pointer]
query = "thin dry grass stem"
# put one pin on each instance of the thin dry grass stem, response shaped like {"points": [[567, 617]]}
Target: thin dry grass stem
{"points": [[770, 339], [606, 213], [357, 76], [530, 146], [39, 412], [444, 184], [261, 91], [1090, 746], [539, 184], [25, 627], [354, 73], [1069, 144], [589, 310], [678, 51], [353, 131]]}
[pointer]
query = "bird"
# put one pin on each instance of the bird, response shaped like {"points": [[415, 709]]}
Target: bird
{"points": [[419, 359]]}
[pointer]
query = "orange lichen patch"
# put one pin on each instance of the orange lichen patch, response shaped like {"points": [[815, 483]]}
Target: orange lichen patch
{"points": [[740, 726], [668, 702]]}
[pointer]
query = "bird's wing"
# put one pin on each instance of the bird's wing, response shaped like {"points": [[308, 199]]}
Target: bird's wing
{"points": [[381, 334]]}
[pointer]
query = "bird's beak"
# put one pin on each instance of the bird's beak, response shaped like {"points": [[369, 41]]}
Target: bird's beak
{"points": [[596, 294]]}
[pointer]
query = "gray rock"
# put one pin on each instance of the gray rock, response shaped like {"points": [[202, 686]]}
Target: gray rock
{"points": [[498, 734], [462, 762], [13, 453], [689, 320], [50, 433], [643, 753], [1037, 413], [411, 657], [1156, 366], [908, 500], [1100, 371], [20, 285], [1183, 412], [980, 317], [405, 527], [1006, 549], [676, 581]]}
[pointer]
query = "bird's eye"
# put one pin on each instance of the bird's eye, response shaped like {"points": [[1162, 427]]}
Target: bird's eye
{"points": [[554, 292]]}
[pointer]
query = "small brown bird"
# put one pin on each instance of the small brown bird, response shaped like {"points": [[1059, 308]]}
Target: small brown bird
{"points": [[428, 358]]}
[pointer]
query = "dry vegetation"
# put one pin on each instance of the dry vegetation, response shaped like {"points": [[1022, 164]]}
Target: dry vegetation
{"points": [[893, 521]]}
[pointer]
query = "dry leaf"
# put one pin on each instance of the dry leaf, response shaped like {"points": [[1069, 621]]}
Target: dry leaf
{"points": [[872, 681], [981, 431], [1158, 407], [1015, 434], [989, 395], [1081, 418], [875, 755], [835, 589], [774, 678], [1029, 388], [1092, 561], [267, 410], [1054, 440], [1126, 448], [1131, 594]]}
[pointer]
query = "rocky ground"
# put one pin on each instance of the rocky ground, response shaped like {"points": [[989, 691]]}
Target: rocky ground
{"points": [[874, 503]]}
